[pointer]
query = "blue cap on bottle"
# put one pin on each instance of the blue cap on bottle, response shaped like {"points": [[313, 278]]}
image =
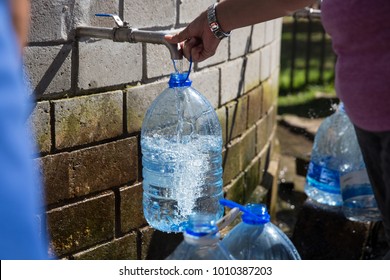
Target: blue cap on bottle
{"points": [[252, 213], [179, 80]]}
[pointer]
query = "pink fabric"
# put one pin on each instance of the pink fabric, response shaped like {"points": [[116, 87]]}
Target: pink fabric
{"points": [[360, 31]]}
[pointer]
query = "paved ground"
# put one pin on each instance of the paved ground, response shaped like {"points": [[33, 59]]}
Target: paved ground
{"points": [[318, 232]]}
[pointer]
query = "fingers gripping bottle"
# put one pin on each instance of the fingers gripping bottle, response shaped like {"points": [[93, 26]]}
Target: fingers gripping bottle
{"points": [[323, 178], [256, 238], [201, 242], [181, 143]]}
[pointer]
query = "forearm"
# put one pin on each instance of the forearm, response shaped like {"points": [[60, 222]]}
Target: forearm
{"points": [[20, 10], [234, 14]]}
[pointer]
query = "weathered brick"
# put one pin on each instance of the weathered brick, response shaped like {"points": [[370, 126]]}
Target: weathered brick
{"points": [[255, 98], [105, 63], [264, 161], [87, 119], [240, 42], [158, 61], [56, 20], [237, 117], [40, 123], [262, 134], [190, 9], [278, 27], [55, 175], [232, 82], [221, 55], [149, 13], [271, 126], [48, 68], [269, 31], [232, 163], [207, 83], [83, 13], [269, 97], [139, 99], [252, 177], [50, 20], [274, 83], [248, 149], [258, 36], [104, 166], [265, 63], [131, 209], [124, 248], [275, 57], [221, 113], [82, 224], [235, 190], [252, 71]]}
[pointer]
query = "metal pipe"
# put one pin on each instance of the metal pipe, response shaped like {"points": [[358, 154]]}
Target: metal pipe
{"points": [[156, 37], [125, 34], [308, 13], [95, 32]]}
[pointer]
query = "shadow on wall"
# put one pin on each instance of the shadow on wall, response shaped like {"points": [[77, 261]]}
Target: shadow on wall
{"points": [[162, 245], [52, 71]]}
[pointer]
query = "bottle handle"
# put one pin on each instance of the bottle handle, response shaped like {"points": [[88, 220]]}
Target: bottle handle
{"points": [[189, 68]]}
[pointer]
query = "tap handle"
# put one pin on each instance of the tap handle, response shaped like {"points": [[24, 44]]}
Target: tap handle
{"points": [[116, 18]]}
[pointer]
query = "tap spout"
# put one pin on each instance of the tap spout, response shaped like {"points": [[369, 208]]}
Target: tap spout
{"points": [[125, 34], [156, 37]]}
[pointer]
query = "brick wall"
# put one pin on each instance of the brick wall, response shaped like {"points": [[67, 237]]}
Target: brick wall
{"points": [[91, 98]]}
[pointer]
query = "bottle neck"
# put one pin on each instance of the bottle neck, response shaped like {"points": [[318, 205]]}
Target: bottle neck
{"points": [[201, 230], [179, 80]]}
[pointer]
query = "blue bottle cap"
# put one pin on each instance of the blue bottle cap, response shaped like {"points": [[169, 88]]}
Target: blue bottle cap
{"points": [[179, 80], [252, 213]]}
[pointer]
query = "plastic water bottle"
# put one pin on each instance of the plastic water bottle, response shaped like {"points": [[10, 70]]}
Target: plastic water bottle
{"points": [[359, 203], [323, 177], [256, 238], [181, 143], [201, 242]]}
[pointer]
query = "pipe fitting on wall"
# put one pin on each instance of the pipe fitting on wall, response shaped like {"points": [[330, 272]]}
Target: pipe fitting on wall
{"points": [[123, 33]]}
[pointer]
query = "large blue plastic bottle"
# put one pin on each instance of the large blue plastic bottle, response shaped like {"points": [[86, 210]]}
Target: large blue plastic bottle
{"points": [[181, 143], [323, 178], [359, 203], [201, 241], [256, 238]]}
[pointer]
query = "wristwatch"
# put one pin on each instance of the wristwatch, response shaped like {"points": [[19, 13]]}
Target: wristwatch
{"points": [[213, 23]]}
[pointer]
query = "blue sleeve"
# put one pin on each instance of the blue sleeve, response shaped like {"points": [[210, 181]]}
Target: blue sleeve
{"points": [[22, 234]]}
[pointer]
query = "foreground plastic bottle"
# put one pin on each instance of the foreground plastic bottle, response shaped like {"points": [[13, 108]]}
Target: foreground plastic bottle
{"points": [[323, 178], [359, 203], [181, 143], [201, 242], [256, 238]]}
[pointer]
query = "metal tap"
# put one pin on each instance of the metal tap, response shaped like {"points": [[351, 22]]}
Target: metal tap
{"points": [[123, 33]]}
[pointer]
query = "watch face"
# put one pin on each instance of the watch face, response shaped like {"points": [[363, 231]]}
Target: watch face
{"points": [[214, 26]]}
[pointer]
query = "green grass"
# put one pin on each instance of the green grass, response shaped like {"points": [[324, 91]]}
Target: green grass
{"points": [[307, 95], [310, 96], [304, 87]]}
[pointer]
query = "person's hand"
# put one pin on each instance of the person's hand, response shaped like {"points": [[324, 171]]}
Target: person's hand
{"points": [[196, 40]]}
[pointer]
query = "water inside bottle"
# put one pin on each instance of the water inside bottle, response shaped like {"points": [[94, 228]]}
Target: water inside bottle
{"points": [[177, 179]]}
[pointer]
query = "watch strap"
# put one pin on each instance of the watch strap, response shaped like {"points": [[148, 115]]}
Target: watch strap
{"points": [[213, 23]]}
